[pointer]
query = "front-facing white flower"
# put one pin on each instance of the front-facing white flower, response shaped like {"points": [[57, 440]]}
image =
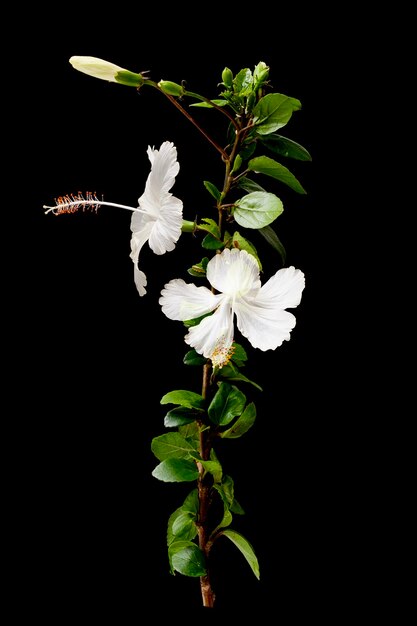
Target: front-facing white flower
{"points": [[260, 310], [159, 219]]}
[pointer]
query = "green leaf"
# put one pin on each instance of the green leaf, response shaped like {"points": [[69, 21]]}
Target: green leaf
{"points": [[242, 424], [265, 165], [181, 525], [249, 185], [199, 269], [227, 403], [184, 398], [212, 189], [242, 83], [237, 164], [209, 226], [191, 432], [187, 559], [232, 373], [171, 445], [286, 147], [226, 489], [272, 238], [184, 526], [273, 111], [191, 502], [225, 521], [236, 508], [247, 150], [245, 547], [243, 244], [179, 416], [193, 358], [239, 354], [211, 243], [176, 471], [257, 209], [196, 320], [214, 468]]}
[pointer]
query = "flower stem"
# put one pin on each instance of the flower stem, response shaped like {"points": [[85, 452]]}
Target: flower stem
{"points": [[196, 124], [204, 487]]}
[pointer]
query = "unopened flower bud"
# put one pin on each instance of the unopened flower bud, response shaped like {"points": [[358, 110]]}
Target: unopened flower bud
{"points": [[172, 89], [104, 70], [227, 77]]}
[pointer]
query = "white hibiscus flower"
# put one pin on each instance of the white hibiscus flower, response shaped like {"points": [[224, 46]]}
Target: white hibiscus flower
{"points": [[158, 219], [260, 310]]}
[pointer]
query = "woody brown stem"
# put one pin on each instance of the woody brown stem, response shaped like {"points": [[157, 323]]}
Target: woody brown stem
{"points": [[204, 488]]}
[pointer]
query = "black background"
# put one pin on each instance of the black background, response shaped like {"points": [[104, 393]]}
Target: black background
{"points": [[94, 358]]}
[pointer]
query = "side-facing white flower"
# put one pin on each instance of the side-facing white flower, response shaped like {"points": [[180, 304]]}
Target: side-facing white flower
{"points": [[260, 310], [159, 220]]}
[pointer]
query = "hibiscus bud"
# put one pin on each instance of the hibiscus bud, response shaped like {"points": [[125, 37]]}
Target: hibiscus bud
{"points": [[227, 77], [172, 89], [106, 71]]}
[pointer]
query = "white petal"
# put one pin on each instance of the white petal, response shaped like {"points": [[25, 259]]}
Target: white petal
{"points": [[263, 320], [184, 301], [167, 228], [140, 280], [283, 290], [96, 67], [234, 272], [213, 332], [136, 243], [265, 328], [164, 168]]}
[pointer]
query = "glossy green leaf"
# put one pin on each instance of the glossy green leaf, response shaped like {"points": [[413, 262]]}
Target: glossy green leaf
{"points": [[273, 111], [243, 244], [196, 320], [227, 403], [269, 167], [184, 398], [225, 521], [191, 432], [171, 445], [247, 150], [249, 185], [226, 489], [187, 559], [285, 147], [237, 164], [232, 373], [179, 416], [257, 209], [199, 269], [242, 424], [239, 354], [176, 471], [236, 508], [212, 189], [181, 525], [210, 226], [193, 358], [245, 547], [242, 83], [214, 468], [191, 502], [212, 243], [272, 238]]}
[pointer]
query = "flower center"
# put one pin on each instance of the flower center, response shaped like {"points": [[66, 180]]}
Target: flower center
{"points": [[222, 353]]}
